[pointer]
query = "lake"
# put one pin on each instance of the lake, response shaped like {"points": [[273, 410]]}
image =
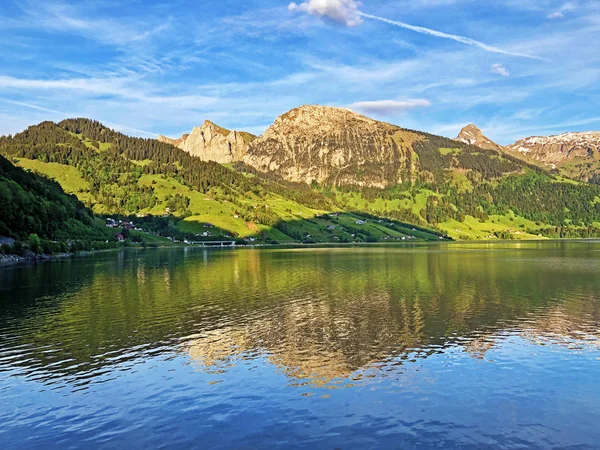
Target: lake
{"points": [[470, 346]]}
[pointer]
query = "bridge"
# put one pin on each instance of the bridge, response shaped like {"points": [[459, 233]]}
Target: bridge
{"points": [[213, 243]]}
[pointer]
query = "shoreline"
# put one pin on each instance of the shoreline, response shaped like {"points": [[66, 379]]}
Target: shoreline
{"points": [[14, 260]]}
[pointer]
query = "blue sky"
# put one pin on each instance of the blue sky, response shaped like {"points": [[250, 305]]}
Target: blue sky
{"points": [[513, 67]]}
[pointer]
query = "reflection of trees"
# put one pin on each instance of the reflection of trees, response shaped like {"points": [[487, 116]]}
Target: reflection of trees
{"points": [[316, 314]]}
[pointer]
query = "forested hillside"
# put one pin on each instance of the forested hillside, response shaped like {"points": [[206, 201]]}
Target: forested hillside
{"points": [[430, 187], [467, 191], [32, 207], [120, 175]]}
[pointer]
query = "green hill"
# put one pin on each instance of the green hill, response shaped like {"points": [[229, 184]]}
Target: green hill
{"points": [[466, 191], [431, 186], [114, 174], [31, 204]]}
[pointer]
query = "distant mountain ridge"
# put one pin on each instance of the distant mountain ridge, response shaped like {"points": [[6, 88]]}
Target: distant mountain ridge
{"points": [[576, 155], [318, 174], [338, 147], [340, 156]]}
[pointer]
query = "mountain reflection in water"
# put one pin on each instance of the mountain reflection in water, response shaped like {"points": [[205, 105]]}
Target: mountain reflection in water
{"points": [[323, 318]]}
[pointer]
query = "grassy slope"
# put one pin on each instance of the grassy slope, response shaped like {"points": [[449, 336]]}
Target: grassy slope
{"points": [[305, 220], [69, 177], [204, 209], [221, 214], [472, 228]]}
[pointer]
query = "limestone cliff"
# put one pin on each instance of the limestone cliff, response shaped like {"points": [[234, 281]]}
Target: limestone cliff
{"points": [[211, 142], [175, 142], [334, 146]]}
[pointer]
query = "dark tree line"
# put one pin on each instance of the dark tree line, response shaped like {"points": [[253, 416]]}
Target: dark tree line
{"points": [[32, 204]]}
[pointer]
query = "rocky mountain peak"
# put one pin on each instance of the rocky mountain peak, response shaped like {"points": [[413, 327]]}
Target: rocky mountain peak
{"points": [[213, 127], [333, 145], [320, 116], [211, 142], [474, 136]]}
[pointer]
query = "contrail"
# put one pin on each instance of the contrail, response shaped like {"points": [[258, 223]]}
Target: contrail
{"points": [[453, 37]]}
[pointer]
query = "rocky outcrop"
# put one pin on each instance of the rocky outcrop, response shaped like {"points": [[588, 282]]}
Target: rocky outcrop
{"points": [[334, 146], [175, 142], [474, 136], [211, 142]]}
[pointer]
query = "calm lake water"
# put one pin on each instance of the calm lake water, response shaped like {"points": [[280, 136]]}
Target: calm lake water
{"points": [[474, 346]]}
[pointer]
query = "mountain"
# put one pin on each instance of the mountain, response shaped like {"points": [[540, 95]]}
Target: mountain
{"points": [[464, 190], [318, 174], [173, 193], [576, 155], [334, 146], [338, 147], [474, 136], [30, 203], [573, 155], [211, 142]]}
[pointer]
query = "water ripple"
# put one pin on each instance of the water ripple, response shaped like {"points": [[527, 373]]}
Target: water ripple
{"points": [[458, 347]]}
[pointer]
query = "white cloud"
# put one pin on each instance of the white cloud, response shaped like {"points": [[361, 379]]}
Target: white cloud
{"points": [[500, 70], [387, 107], [344, 11], [555, 15]]}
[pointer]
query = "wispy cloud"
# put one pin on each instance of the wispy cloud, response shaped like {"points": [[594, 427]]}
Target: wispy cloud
{"points": [[38, 108], [555, 15], [452, 37], [388, 107], [348, 13], [73, 19], [63, 114]]}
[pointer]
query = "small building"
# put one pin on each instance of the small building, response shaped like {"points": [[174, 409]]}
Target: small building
{"points": [[120, 237]]}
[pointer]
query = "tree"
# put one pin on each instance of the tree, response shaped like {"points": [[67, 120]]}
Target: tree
{"points": [[35, 244]]}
